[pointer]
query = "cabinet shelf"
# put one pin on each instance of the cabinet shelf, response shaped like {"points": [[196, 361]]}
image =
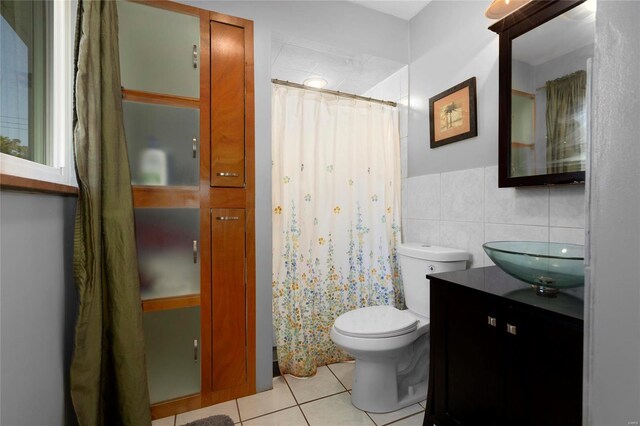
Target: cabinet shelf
{"points": [[159, 98], [166, 196], [166, 303]]}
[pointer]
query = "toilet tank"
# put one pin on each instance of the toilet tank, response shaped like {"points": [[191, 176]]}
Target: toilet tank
{"points": [[416, 261]]}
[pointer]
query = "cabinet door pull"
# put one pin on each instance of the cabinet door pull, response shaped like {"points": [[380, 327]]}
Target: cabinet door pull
{"points": [[195, 251], [227, 218], [227, 174], [511, 329], [195, 147], [195, 56], [195, 350], [491, 321]]}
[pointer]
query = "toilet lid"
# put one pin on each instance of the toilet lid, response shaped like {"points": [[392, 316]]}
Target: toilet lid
{"points": [[376, 321]]}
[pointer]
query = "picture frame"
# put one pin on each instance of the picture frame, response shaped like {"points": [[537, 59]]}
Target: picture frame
{"points": [[452, 114]]}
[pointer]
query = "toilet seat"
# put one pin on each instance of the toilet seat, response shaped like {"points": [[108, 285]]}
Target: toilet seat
{"points": [[376, 322]]}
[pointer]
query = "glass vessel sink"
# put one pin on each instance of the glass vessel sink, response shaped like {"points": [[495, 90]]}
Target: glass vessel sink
{"points": [[548, 267]]}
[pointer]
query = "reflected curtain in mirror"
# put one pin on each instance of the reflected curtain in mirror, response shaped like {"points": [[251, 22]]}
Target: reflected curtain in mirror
{"points": [[566, 123]]}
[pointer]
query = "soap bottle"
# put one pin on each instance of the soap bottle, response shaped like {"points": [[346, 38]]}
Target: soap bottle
{"points": [[153, 164]]}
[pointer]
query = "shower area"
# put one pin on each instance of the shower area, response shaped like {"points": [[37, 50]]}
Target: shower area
{"points": [[338, 149]]}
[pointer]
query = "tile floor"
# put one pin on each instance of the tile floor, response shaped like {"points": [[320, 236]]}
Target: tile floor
{"points": [[322, 400]]}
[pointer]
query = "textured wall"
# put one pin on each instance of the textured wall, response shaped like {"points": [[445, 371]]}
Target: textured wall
{"points": [[613, 343]]}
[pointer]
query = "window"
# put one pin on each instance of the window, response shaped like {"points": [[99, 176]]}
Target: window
{"points": [[36, 89], [23, 87]]}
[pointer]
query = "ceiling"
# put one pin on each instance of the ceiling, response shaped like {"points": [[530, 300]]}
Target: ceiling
{"points": [[401, 8], [295, 59]]}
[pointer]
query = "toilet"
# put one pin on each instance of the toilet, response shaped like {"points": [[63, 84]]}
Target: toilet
{"points": [[391, 346]]}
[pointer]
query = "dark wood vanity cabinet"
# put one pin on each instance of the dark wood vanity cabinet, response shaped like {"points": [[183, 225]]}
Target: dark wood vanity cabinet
{"points": [[499, 356]]}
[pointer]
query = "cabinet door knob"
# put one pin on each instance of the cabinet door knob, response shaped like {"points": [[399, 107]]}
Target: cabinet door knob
{"points": [[227, 174], [195, 251], [511, 329], [491, 321], [194, 147]]}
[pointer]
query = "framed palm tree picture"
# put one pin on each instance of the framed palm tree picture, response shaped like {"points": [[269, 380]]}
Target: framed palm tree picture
{"points": [[452, 114]]}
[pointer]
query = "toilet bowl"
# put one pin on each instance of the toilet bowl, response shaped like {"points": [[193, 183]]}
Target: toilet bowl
{"points": [[391, 346]]}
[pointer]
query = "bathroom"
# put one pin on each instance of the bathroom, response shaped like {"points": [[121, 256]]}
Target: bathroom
{"points": [[450, 197]]}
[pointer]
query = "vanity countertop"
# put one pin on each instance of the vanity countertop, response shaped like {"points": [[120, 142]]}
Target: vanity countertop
{"points": [[493, 280]]}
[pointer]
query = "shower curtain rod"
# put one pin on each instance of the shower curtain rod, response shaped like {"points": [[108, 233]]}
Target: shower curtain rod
{"points": [[332, 92]]}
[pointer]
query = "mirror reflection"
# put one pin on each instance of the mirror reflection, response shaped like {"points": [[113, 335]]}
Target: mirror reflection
{"points": [[549, 94]]}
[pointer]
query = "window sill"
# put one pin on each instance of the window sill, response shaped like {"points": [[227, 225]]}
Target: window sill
{"points": [[33, 185]]}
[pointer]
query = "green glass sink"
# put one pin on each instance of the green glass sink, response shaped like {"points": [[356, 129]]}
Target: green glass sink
{"points": [[548, 267]]}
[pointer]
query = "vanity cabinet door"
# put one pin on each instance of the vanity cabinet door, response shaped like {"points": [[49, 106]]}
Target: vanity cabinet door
{"points": [[465, 341], [542, 367]]}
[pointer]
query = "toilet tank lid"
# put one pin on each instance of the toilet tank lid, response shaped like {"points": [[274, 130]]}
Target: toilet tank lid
{"points": [[433, 253]]}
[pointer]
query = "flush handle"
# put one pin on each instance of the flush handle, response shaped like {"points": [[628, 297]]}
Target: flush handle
{"points": [[511, 329], [491, 321]]}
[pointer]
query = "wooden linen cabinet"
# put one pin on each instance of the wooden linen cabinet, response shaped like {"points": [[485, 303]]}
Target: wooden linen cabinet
{"points": [[188, 103]]}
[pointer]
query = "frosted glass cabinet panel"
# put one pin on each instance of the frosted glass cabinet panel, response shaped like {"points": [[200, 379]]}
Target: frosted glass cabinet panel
{"points": [[163, 144], [156, 50], [168, 252], [172, 340]]}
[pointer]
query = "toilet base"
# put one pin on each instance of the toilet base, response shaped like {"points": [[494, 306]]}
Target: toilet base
{"points": [[397, 379]]}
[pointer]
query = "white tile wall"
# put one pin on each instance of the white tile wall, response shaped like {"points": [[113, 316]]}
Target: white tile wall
{"points": [[423, 197], [462, 194], [463, 209], [567, 206]]}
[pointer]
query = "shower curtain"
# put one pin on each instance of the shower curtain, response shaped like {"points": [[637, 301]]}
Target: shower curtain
{"points": [[336, 215]]}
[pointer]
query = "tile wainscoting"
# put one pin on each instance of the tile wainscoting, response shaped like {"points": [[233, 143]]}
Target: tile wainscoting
{"points": [[465, 208]]}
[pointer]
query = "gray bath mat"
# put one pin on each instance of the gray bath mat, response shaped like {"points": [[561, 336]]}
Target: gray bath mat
{"points": [[219, 420]]}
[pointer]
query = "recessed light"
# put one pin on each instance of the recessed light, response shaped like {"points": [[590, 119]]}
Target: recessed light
{"points": [[315, 82]]}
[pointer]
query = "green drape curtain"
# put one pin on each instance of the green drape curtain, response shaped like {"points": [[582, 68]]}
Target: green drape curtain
{"points": [[566, 123], [108, 373]]}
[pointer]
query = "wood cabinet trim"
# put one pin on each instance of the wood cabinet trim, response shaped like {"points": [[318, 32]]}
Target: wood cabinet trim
{"points": [[159, 99], [165, 303], [165, 196]]}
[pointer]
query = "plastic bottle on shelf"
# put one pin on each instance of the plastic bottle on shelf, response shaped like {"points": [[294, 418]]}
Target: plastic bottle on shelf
{"points": [[153, 164]]}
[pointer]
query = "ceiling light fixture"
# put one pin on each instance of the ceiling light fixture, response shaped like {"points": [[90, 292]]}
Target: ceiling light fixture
{"points": [[315, 82], [498, 9]]}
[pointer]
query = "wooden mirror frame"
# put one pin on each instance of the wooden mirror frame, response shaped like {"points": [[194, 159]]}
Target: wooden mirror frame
{"points": [[525, 19]]}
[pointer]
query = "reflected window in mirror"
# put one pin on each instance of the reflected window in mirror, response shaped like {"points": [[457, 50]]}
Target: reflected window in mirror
{"points": [[544, 107]]}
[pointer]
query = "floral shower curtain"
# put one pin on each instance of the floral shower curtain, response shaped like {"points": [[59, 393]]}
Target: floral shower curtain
{"points": [[336, 215]]}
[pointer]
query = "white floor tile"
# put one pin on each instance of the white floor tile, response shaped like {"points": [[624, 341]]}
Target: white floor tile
{"points": [[322, 384], [335, 410], [411, 421], [165, 421], [344, 372], [424, 403], [289, 417], [386, 418], [266, 402], [229, 408]]}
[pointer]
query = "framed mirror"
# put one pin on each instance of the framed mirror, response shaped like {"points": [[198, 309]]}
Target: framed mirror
{"points": [[545, 55]]}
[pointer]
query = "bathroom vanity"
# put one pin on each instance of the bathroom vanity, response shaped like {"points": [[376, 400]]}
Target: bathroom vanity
{"points": [[502, 355]]}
